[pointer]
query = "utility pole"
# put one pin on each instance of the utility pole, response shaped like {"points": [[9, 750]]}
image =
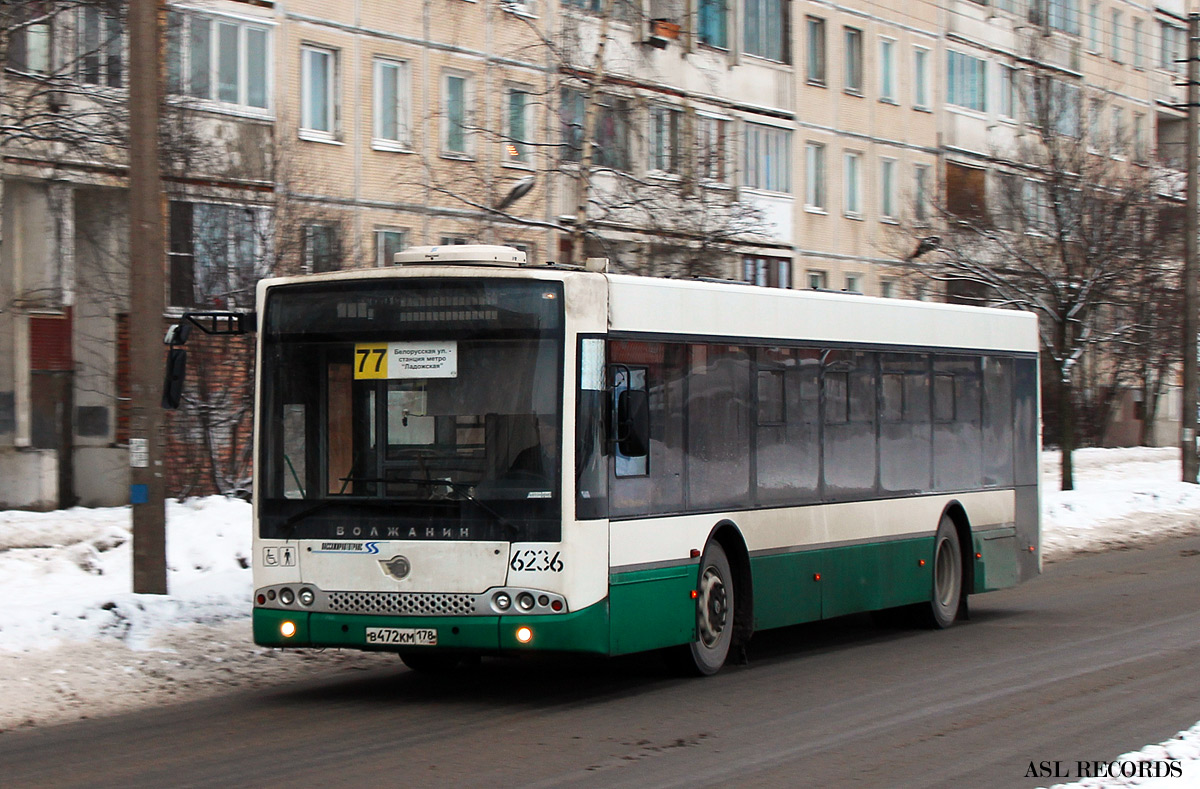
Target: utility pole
{"points": [[147, 485], [1190, 264]]}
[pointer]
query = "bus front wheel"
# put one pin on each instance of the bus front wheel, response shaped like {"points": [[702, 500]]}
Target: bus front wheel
{"points": [[714, 613], [947, 577]]}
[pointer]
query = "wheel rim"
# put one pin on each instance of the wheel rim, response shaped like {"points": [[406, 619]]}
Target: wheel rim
{"points": [[714, 607], [946, 574]]}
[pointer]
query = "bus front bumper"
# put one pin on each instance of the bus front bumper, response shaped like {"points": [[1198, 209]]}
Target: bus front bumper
{"points": [[586, 630]]}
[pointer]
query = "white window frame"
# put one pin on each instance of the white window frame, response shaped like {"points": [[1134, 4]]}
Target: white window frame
{"points": [[403, 92], [514, 152], [444, 135], [887, 69], [381, 256], [713, 155], [767, 158], [921, 77], [853, 282], [104, 47], [853, 57], [816, 279], [887, 189], [1117, 143], [921, 190], [180, 51], [308, 130], [815, 191], [966, 83], [852, 184], [1139, 43], [1006, 101], [1093, 41], [1115, 40], [664, 143]]}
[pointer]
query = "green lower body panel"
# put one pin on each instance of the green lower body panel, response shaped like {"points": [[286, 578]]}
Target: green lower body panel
{"points": [[997, 564], [803, 586], [652, 608], [579, 631]]}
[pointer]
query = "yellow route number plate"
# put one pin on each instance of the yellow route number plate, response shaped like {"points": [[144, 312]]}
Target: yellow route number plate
{"points": [[402, 636]]}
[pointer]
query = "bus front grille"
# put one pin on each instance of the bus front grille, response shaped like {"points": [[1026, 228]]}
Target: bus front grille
{"points": [[403, 603]]}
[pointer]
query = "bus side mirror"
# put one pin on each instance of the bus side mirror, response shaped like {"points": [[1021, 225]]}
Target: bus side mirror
{"points": [[173, 379], [633, 423]]}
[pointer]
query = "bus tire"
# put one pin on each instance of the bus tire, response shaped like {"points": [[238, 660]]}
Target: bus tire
{"points": [[947, 595], [714, 613], [431, 662]]}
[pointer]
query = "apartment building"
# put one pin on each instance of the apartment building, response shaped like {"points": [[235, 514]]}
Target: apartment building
{"points": [[788, 144]]}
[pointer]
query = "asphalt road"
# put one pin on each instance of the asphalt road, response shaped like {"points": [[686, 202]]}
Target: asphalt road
{"points": [[1097, 657]]}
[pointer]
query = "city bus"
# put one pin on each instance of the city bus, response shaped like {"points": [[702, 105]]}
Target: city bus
{"points": [[464, 454]]}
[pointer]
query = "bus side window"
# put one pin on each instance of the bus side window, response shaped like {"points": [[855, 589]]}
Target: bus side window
{"points": [[629, 389]]}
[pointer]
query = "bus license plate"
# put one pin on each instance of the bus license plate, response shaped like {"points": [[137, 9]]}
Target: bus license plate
{"points": [[402, 636]]}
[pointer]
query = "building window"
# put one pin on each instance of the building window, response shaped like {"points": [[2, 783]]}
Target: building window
{"points": [[1008, 92], [1063, 16], [921, 78], [1139, 137], [1171, 47], [1116, 36], [388, 241], [321, 250], [1093, 33], [921, 193], [453, 241], [854, 60], [517, 146], [317, 77], [1139, 49], [99, 48], [712, 141], [815, 56], [1095, 122], [887, 69], [814, 165], [887, 188], [712, 15], [613, 120], [966, 81], [852, 184], [455, 100], [887, 288], [768, 158], [216, 253], [853, 283], [1117, 147], [817, 280], [770, 272], [663, 139], [30, 37], [391, 105], [766, 29], [220, 60], [570, 123]]}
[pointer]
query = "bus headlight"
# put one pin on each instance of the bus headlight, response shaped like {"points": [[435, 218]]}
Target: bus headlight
{"points": [[306, 596], [287, 629], [286, 596], [525, 601], [501, 601], [524, 635]]}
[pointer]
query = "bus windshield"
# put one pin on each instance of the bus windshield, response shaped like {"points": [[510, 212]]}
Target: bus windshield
{"points": [[411, 409]]}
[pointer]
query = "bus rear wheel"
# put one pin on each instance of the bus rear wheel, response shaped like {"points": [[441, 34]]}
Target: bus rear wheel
{"points": [[714, 614], [947, 596]]}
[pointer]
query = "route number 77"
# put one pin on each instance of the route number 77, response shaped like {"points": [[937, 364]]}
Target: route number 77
{"points": [[370, 360]]}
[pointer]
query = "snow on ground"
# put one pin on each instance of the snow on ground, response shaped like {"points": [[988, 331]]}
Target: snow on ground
{"points": [[80, 644]]}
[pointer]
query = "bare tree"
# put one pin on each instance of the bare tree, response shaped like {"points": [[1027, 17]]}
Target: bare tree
{"points": [[1061, 230], [643, 183]]}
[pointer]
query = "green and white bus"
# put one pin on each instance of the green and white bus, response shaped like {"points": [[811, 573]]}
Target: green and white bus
{"points": [[465, 455]]}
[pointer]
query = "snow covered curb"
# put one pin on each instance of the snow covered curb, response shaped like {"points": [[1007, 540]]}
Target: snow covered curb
{"points": [[1170, 765]]}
